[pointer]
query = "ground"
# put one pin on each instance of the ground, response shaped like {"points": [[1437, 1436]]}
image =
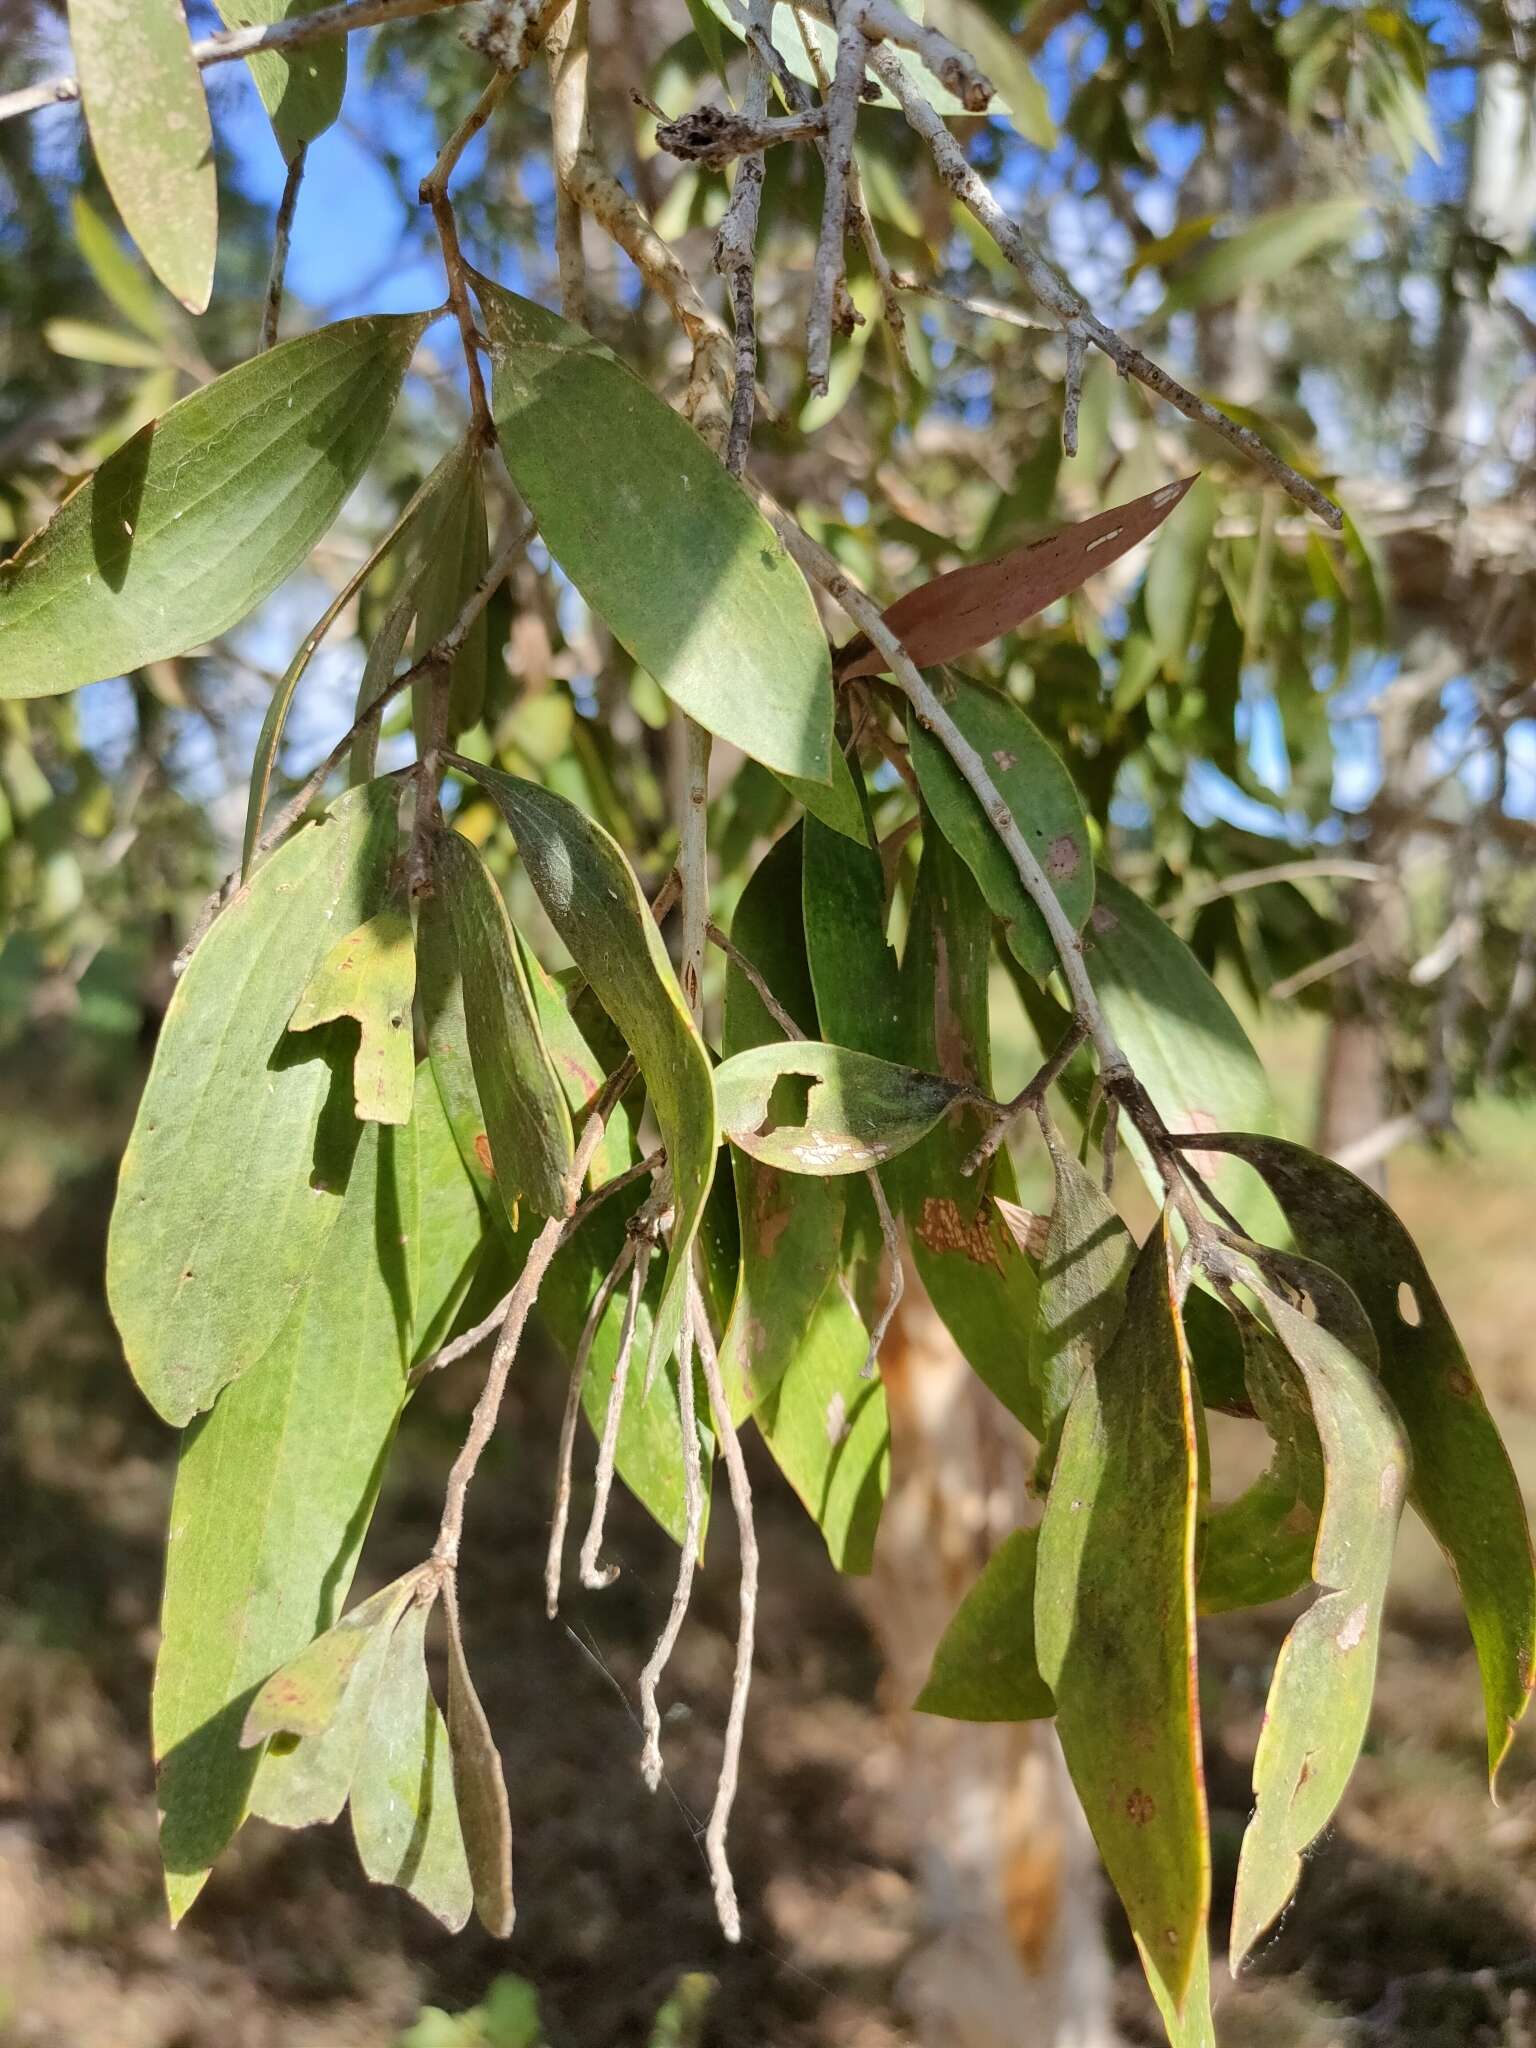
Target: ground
{"points": [[1415, 1924]]}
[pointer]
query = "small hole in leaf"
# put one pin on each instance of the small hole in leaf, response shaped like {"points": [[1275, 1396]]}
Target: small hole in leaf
{"points": [[1308, 1308], [788, 1105], [1408, 1305]]}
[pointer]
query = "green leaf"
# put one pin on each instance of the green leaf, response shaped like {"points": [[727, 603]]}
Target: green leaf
{"points": [[791, 1226], [707, 29], [191, 523], [274, 1491], [404, 1819], [590, 894], [1273, 246], [856, 1112], [1320, 1696], [1192, 2026], [303, 1696], [1176, 573], [148, 119], [836, 805], [1115, 1620], [458, 558], [1088, 1258], [85, 342], [452, 1233], [853, 970], [370, 976], [527, 1125], [666, 547], [301, 90], [480, 1791], [236, 1171], [985, 1668], [1045, 804], [1463, 1483], [116, 272]]}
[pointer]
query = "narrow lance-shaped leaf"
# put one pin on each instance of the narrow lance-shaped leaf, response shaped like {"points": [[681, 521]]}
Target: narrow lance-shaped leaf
{"points": [[119, 276], [1115, 1620], [666, 547], [457, 555], [370, 976], [985, 1667], [300, 89], [480, 1791], [191, 523], [1271, 247], [852, 967], [237, 1166], [1088, 1258], [953, 615], [303, 1696], [1320, 1696], [1040, 794], [825, 1109], [590, 894], [148, 118], [1463, 1483]]}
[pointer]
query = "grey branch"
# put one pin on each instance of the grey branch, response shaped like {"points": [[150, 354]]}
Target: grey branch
{"points": [[712, 135]]}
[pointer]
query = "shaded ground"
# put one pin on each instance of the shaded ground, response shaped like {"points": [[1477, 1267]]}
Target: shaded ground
{"points": [[1415, 1920]]}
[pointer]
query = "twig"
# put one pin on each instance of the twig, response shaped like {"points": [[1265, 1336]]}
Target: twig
{"points": [[594, 1574], [884, 20], [433, 193], [1029, 1097], [736, 246], [232, 43], [607, 1288], [716, 136], [693, 1520], [1109, 1144], [842, 111], [1325, 868], [282, 233], [445, 1551], [741, 1684], [1077, 349], [763, 992], [984, 309], [514, 30], [1317, 970], [566, 47]]}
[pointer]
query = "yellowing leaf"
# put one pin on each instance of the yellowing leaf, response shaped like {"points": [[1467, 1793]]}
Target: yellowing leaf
{"points": [[370, 975]]}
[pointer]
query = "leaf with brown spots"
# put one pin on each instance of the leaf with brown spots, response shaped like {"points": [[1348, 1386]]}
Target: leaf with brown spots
{"points": [[824, 1109], [1463, 1483], [1115, 1620], [302, 1697], [955, 614]]}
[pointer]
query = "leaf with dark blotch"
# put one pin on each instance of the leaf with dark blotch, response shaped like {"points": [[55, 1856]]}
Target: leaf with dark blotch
{"points": [[666, 547], [1463, 1483], [300, 89], [985, 1668], [527, 1123], [404, 1817], [480, 1790], [238, 1114], [370, 976], [1088, 1258], [1320, 1695], [1033, 782], [825, 1109], [955, 614], [592, 898], [1115, 1620], [190, 524], [301, 1698]]}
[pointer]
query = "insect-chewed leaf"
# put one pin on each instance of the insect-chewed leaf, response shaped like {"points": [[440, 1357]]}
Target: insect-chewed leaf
{"points": [[1045, 805], [370, 976], [1088, 1258], [825, 1109], [985, 1668], [955, 614], [853, 970], [1463, 1483], [301, 90], [972, 1265], [480, 1790], [252, 1566], [791, 1227], [192, 522], [148, 118], [1320, 1696], [660, 541], [527, 1127], [404, 1818], [233, 1177], [302, 1697], [590, 894], [1115, 1620]]}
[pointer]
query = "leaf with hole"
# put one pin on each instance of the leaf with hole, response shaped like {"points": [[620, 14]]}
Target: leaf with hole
{"points": [[200, 515], [985, 1667], [666, 547], [825, 1109], [302, 1697], [370, 977], [955, 614]]}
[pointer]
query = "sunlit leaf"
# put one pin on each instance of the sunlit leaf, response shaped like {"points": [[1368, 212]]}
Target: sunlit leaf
{"points": [[302, 1698], [480, 1791], [825, 1109], [301, 89], [1275, 244], [457, 555], [985, 1668], [85, 342], [370, 976], [119, 276], [1176, 573]]}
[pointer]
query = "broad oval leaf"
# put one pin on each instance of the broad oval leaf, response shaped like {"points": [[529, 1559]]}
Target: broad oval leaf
{"points": [[178, 535], [1115, 1620], [659, 540], [591, 897], [370, 977], [1463, 1483], [855, 1112], [301, 89], [1034, 783], [148, 118], [957, 613], [985, 1667], [237, 1167]]}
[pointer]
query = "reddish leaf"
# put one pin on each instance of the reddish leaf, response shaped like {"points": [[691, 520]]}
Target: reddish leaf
{"points": [[955, 614]]}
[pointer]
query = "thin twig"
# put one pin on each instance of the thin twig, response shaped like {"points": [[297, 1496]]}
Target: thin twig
{"points": [[741, 1683], [736, 246], [433, 193], [607, 1288], [232, 43], [693, 1521], [1029, 1097], [1109, 1144], [594, 1574], [763, 992], [1317, 970], [1324, 868], [717, 136], [282, 233], [842, 118], [983, 309]]}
